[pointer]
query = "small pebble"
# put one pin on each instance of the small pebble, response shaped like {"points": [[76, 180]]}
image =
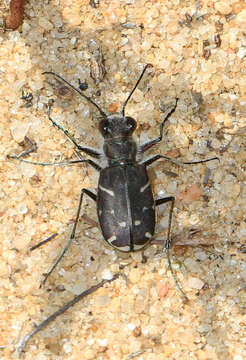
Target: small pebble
{"points": [[107, 274], [195, 283], [180, 250], [19, 130], [223, 7], [191, 194], [128, 25], [163, 291]]}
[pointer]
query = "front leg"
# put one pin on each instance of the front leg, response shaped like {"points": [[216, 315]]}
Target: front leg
{"points": [[89, 151], [146, 146]]}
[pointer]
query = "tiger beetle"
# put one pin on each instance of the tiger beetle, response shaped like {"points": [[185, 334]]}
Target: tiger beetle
{"points": [[125, 202]]}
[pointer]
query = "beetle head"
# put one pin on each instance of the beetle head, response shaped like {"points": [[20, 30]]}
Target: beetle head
{"points": [[117, 125]]}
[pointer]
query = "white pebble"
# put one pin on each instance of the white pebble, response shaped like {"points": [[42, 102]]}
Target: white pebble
{"points": [[19, 130], [195, 283], [107, 275], [67, 347]]}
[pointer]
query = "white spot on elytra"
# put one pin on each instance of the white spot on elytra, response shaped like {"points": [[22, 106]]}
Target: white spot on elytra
{"points": [[112, 238], [137, 222], [124, 248], [138, 247], [112, 212], [148, 235], [145, 208], [110, 192], [122, 224], [143, 188]]}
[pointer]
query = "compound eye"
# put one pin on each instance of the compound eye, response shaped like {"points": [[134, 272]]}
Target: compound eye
{"points": [[103, 126], [131, 123]]}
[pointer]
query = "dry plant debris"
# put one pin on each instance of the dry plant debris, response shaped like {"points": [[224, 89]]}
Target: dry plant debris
{"points": [[16, 15]]}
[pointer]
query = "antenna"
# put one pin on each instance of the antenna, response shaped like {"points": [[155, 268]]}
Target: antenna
{"points": [[77, 90], [129, 96]]}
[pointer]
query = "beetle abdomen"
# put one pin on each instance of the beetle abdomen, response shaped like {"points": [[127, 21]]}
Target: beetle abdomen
{"points": [[126, 207]]}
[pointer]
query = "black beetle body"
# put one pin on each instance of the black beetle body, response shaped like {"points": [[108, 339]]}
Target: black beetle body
{"points": [[126, 207], [125, 203]]}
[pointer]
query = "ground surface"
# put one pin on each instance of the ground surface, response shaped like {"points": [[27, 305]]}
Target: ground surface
{"points": [[133, 318]]}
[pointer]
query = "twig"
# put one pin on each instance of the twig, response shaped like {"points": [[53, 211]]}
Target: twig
{"points": [[52, 317], [43, 242]]}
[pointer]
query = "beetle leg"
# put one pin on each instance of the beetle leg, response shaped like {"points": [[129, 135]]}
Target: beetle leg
{"points": [[62, 163], [146, 146], [163, 201], [72, 236], [90, 151], [176, 162], [168, 239], [31, 147]]}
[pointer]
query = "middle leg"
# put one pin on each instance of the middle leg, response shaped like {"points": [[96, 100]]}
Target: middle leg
{"points": [[176, 162]]}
